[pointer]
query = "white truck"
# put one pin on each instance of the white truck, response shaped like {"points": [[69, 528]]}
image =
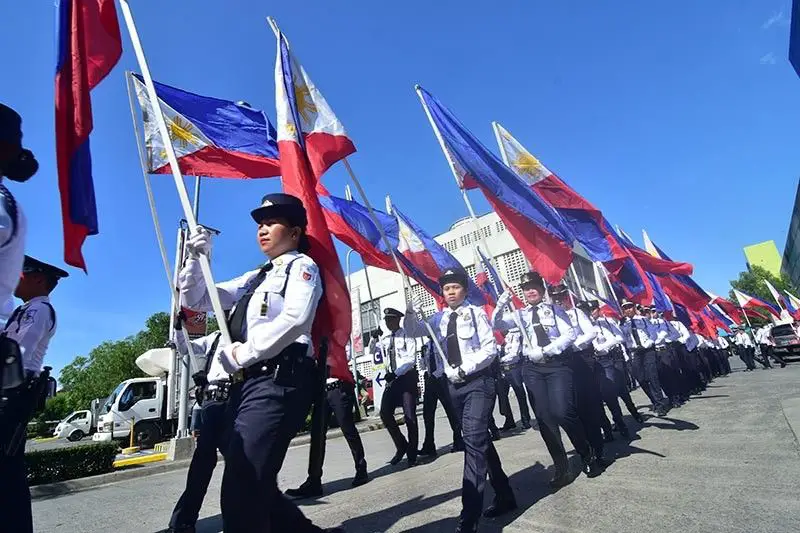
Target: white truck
{"points": [[78, 424], [143, 401]]}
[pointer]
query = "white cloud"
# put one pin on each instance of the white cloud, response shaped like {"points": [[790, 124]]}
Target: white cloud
{"points": [[768, 59], [777, 18]]}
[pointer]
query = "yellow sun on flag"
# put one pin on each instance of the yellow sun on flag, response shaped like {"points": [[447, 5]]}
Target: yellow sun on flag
{"points": [[305, 104], [526, 163], [180, 132]]}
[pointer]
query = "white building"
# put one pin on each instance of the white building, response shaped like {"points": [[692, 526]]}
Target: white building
{"points": [[386, 288]]}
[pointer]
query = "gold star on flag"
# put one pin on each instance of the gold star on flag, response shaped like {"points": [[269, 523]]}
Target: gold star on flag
{"points": [[180, 132], [527, 164]]}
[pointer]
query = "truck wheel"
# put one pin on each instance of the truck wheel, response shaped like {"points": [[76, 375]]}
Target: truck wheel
{"points": [[147, 434], [75, 436]]}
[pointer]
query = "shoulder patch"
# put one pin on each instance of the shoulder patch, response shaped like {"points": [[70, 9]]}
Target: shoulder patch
{"points": [[29, 316]]}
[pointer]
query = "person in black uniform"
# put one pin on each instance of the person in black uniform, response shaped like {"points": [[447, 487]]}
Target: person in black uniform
{"points": [[212, 435], [466, 349], [30, 328], [436, 390], [398, 350], [548, 376], [340, 397], [271, 363]]}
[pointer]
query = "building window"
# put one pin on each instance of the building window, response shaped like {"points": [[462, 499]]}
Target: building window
{"points": [[499, 226], [487, 231], [370, 316]]}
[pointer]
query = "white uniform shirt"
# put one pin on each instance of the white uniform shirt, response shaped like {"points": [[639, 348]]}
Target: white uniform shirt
{"points": [[645, 332], [608, 335], [273, 322], [661, 330], [475, 337], [405, 349], [723, 344], [200, 349], [429, 361], [12, 245], [681, 330], [32, 325], [554, 320], [743, 339], [584, 328], [513, 349]]}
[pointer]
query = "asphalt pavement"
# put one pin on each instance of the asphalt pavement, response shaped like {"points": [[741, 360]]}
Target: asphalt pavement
{"points": [[728, 461]]}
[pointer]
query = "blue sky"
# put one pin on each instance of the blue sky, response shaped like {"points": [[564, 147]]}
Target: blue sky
{"points": [[680, 118]]}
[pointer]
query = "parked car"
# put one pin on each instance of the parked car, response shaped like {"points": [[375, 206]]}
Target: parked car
{"points": [[785, 338]]}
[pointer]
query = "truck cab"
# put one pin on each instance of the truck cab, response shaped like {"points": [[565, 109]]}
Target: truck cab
{"points": [[139, 400]]}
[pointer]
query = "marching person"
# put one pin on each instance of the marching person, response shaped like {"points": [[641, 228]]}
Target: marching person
{"points": [[339, 397], [437, 390], [27, 334], [271, 363], [640, 335], [211, 428], [17, 164], [608, 351], [587, 389], [468, 349], [746, 350], [682, 344], [548, 376], [668, 371], [399, 353], [765, 342], [511, 374]]}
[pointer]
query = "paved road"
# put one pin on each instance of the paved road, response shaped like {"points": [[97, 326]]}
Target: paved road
{"points": [[726, 462]]}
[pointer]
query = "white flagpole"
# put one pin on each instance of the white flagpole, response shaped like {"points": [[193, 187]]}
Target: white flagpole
{"points": [[576, 280], [602, 268], [515, 312], [183, 195]]}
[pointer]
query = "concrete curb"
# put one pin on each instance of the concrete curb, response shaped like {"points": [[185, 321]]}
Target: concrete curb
{"points": [[791, 411], [54, 490]]}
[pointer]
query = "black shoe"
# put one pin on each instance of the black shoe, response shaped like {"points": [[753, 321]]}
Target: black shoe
{"points": [[593, 467], [465, 528], [334, 530], [562, 478], [609, 437], [625, 433], [500, 506], [495, 433], [783, 365], [308, 489], [457, 447], [412, 461], [180, 529], [362, 478], [526, 424], [398, 456], [638, 417], [427, 451], [662, 412], [509, 425]]}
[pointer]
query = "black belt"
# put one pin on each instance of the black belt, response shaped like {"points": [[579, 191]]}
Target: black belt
{"points": [[333, 385], [509, 366], [613, 353], [293, 358], [661, 348], [220, 394], [486, 372]]}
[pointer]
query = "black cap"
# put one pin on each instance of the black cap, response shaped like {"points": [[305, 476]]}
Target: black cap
{"points": [[558, 289], [391, 312], [454, 275], [31, 266], [10, 126], [625, 303], [584, 306], [281, 205], [531, 278], [594, 305]]}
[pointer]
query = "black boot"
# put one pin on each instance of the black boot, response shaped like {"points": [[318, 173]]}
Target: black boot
{"points": [[309, 489], [427, 450], [361, 478], [561, 478], [458, 446], [510, 424], [592, 467], [398, 456]]}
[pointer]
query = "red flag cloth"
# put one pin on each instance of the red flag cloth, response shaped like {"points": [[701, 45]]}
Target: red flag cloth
{"points": [[333, 319], [89, 45]]}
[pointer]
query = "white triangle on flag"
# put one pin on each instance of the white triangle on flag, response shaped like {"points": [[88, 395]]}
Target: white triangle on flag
{"points": [[522, 162]]}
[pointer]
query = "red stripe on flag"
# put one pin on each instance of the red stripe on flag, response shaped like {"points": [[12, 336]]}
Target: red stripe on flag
{"points": [[212, 162]]}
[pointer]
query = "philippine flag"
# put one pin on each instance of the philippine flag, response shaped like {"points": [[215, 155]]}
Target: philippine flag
{"points": [[211, 137], [747, 302], [793, 305]]}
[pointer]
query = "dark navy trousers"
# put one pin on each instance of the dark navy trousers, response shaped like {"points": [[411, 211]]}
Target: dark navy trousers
{"points": [[212, 436], [512, 378], [589, 400], [15, 496], [438, 390], [613, 387], [474, 402], [264, 417], [645, 367], [402, 392], [552, 394]]}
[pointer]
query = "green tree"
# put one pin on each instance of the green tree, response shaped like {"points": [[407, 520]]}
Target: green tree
{"points": [[752, 282]]}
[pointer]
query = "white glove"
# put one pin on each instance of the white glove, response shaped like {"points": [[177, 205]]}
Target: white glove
{"points": [[550, 349], [199, 242], [504, 298], [537, 356], [452, 374], [415, 304]]}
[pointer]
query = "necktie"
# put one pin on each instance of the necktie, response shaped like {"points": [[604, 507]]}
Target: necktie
{"points": [[453, 349], [542, 339], [634, 334], [392, 355], [431, 358], [238, 321]]}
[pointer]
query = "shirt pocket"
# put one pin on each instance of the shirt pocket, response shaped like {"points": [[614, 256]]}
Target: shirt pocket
{"points": [[267, 298], [465, 330]]}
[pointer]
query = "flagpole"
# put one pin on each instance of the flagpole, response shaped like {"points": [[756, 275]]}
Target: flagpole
{"points": [[575, 279], [183, 195], [602, 268], [515, 312]]}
